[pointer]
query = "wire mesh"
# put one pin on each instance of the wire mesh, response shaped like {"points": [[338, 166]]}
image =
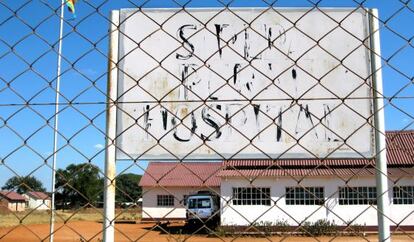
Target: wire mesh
{"points": [[191, 84]]}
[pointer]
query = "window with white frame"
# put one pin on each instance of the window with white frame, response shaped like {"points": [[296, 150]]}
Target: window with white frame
{"points": [[165, 200], [251, 196], [305, 196], [357, 195], [403, 195]]}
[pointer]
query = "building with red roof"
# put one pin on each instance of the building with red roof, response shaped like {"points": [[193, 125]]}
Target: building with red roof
{"points": [[293, 190], [12, 201], [38, 200], [165, 186]]}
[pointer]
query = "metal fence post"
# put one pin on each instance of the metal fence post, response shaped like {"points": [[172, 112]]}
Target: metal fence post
{"points": [[56, 124], [110, 155], [380, 142]]}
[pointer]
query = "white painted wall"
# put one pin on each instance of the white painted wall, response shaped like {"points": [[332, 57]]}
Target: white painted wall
{"points": [[37, 204], [17, 206], [150, 210], [404, 213], [295, 214]]}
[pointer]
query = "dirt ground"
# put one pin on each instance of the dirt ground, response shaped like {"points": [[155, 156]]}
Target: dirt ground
{"points": [[91, 231]]}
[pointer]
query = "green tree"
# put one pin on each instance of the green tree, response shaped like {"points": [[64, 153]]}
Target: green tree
{"points": [[23, 184], [78, 185], [127, 189]]}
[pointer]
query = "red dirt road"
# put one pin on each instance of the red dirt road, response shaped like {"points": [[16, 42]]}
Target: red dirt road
{"points": [[92, 231]]}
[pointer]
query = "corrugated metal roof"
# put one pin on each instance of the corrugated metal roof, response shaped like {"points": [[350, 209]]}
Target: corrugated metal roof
{"points": [[187, 174], [400, 153], [346, 172], [12, 196], [297, 162], [400, 147], [38, 195]]}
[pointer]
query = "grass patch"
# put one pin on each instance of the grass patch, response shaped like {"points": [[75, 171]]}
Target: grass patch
{"points": [[43, 217]]}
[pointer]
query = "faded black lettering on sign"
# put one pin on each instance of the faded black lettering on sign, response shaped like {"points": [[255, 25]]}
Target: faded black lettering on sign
{"points": [[217, 120]]}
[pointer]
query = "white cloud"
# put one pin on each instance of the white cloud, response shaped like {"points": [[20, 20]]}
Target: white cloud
{"points": [[99, 146]]}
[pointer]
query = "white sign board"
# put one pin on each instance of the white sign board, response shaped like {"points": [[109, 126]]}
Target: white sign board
{"points": [[246, 83]]}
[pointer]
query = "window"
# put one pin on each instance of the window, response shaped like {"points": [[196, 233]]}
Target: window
{"points": [[165, 200], [251, 196], [204, 203], [403, 195], [184, 201], [199, 203], [357, 195], [305, 196]]}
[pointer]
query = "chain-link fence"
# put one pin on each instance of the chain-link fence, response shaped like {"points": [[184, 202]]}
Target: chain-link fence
{"points": [[206, 120]]}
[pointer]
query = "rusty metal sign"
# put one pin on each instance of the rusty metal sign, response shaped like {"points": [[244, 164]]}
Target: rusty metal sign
{"points": [[243, 83]]}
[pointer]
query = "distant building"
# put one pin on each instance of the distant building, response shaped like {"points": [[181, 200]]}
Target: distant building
{"points": [[12, 201], [292, 190], [38, 200]]}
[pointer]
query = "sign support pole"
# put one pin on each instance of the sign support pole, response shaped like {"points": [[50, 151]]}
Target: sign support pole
{"points": [[383, 199], [110, 151]]}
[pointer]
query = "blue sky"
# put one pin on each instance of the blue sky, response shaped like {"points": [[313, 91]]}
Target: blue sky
{"points": [[25, 75]]}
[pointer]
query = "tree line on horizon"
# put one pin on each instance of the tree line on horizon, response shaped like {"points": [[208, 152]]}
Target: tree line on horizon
{"points": [[79, 185]]}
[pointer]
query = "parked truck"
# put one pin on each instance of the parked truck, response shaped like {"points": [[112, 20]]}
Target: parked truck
{"points": [[203, 207]]}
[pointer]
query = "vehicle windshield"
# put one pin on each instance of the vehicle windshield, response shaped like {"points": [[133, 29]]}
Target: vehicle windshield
{"points": [[199, 203]]}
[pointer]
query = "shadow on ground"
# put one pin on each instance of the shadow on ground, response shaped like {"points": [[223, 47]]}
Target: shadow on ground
{"points": [[183, 228]]}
